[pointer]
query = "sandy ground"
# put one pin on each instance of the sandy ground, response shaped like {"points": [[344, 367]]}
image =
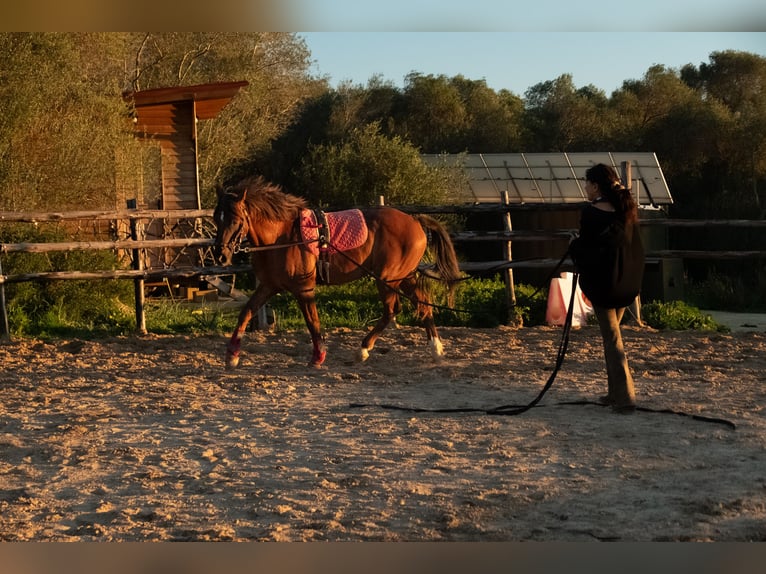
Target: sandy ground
{"points": [[151, 439]]}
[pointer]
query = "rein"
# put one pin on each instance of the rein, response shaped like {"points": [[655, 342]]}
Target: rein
{"points": [[239, 249]]}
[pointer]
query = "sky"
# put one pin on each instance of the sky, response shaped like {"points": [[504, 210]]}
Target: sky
{"points": [[534, 16], [517, 61], [510, 44]]}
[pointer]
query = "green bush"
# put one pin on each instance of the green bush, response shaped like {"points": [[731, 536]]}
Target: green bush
{"points": [[677, 315], [70, 308], [731, 292], [531, 304]]}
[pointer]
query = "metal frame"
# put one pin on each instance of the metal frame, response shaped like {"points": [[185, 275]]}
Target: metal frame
{"points": [[551, 178]]}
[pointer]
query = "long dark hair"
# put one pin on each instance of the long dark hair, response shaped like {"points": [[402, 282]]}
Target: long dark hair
{"points": [[611, 189]]}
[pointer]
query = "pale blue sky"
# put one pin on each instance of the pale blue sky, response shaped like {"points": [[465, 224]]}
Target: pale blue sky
{"points": [[517, 60], [513, 15]]}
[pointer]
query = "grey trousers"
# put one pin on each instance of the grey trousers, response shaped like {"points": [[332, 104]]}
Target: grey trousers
{"points": [[620, 382]]}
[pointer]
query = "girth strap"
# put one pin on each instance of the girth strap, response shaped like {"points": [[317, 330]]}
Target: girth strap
{"points": [[323, 261]]}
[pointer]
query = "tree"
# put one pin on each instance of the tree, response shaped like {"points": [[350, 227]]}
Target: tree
{"points": [[559, 117], [366, 166], [63, 120], [65, 136], [492, 120], [434, 114], [737, 81]]}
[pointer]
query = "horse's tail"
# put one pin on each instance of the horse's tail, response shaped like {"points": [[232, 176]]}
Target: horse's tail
{"points": [[446, 258]]}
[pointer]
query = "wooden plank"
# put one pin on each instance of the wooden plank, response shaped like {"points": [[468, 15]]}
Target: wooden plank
{"points": [[102, 245], [39, 217], [186, 272], [516, 235]]}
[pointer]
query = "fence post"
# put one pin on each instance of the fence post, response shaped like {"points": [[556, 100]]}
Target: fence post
{"points": [[6, 330], [627, 179], [510, 289], [138, 282]]}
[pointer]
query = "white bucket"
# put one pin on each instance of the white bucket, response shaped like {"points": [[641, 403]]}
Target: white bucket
{"points": [[559, 294]]}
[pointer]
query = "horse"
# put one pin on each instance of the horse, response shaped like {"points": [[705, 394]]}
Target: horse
{"points": [[389, 248]]}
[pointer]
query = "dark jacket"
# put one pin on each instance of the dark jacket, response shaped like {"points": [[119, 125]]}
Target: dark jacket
{"points": [[609, 256]]}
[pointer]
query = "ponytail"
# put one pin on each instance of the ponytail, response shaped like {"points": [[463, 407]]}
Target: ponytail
{"points": [[608, 182]]}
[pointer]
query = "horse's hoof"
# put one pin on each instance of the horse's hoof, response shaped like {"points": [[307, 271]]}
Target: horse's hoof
{"points": [[318, 359], [437, 349], [362, 355], [232, 361]]}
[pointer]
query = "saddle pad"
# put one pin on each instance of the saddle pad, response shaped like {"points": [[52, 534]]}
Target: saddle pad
{"points": [[348, 229]]}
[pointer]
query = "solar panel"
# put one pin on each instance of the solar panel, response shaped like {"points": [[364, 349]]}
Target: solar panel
{"points": [[551, 177]]}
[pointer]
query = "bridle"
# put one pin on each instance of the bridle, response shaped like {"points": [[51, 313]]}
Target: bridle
{"points": [[237, 240], [234, 243]]}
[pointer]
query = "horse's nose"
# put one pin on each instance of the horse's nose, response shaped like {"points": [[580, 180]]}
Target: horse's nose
{"points": [[219, 255]]}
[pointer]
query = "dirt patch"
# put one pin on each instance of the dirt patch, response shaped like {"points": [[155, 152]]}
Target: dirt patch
{"points": [[135, 439]]}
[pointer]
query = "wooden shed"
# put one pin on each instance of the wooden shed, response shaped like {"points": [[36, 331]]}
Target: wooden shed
{"points": [[169, 116]]}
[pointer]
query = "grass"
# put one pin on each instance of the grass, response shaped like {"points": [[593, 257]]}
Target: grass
{"points": [[76, 309]]}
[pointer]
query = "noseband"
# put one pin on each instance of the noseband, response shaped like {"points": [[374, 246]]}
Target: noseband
{"points": [[235, 241]]}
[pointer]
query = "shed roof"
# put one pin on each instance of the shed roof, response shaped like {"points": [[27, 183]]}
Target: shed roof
{"points": [[155, 109]]}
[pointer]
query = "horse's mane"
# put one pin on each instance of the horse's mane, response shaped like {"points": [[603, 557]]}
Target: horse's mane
{"points": [[267, 200]]}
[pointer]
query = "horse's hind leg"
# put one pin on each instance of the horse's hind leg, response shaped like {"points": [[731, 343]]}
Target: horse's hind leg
{"points": [[422, 302], [390, 299], [261, 295]]}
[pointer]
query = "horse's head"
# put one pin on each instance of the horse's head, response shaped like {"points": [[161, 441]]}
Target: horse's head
{"points": [[231, 220]]}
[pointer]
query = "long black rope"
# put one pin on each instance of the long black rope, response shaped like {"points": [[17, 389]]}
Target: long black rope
{"points": [[506, 410], [510, 410]]}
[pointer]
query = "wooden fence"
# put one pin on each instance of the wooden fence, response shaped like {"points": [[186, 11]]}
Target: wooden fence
{"points": [[132, 223]]}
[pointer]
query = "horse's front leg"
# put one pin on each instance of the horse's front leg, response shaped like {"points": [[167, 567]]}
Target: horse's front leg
{"points": [[259, 298], [308, 306]]}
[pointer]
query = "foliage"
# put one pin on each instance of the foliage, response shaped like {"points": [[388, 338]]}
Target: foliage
{"points": [[479, 303], [531, 303], [354, 305], [729, 290], [559, 117], [366, 166], [679, 316], [63, 120], [67, 306]]}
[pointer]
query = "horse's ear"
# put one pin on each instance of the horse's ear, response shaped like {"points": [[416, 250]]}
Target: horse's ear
{"points": [[239, 193]]}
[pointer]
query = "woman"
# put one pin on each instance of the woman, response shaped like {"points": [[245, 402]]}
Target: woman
{"points": [[609, 257]]}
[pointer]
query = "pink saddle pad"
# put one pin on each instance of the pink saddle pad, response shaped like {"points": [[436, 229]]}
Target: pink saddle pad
{"points": [[348, 229]]}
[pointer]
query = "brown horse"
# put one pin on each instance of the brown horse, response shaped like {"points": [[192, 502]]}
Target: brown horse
{"points": [[390, 250]]}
